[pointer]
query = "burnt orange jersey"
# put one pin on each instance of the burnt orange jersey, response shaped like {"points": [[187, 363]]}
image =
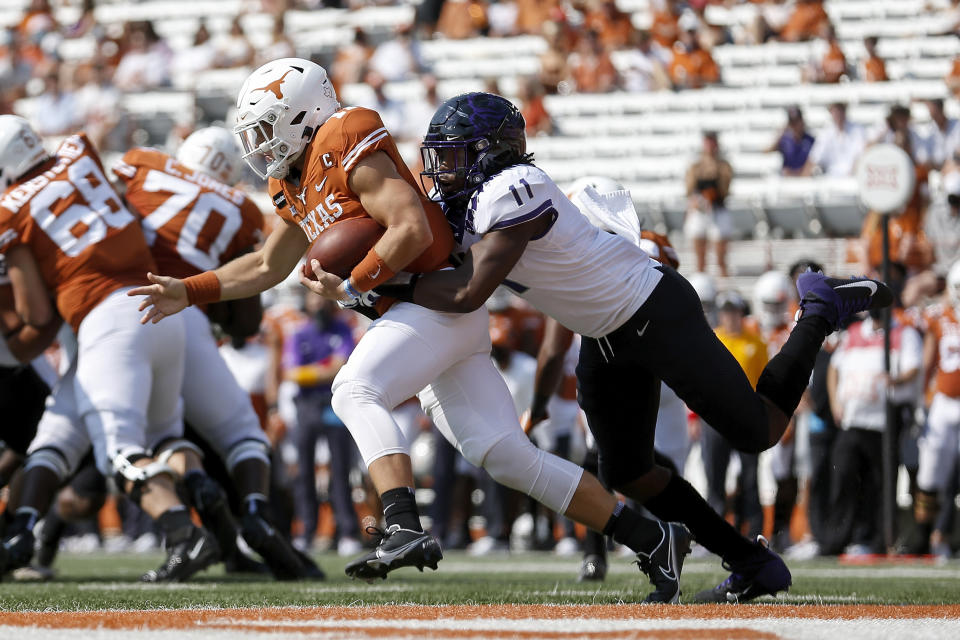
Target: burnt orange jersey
{"points": [[192, 222], [946, 330], [322, 196], [84, 240]]}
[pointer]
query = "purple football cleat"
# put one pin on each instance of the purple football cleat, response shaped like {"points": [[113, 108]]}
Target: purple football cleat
{"points": [[836, 299], [762, 574]]}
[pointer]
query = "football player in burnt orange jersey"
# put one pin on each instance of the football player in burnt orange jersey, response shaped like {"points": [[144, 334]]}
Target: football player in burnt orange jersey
{"points": [[939, 444], [66, 232], [194, 220], [327, 164]]}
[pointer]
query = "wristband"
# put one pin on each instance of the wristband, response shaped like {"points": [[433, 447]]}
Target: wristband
{"points": [[371, 271], [202, 288], [350, 290]]}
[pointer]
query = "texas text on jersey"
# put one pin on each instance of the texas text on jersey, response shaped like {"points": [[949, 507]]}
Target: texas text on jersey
{"points": [[84, 240], [322, 195], [192, 222]]}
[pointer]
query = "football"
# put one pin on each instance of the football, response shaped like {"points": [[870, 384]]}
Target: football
{"points": [[343, 245]]}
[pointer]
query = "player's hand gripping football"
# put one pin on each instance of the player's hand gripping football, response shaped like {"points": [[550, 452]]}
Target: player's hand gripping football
{"points": [[165, 297], [324, 283]]}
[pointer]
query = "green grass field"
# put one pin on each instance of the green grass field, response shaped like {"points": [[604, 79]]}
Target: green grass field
{"points": [[110, 581]]}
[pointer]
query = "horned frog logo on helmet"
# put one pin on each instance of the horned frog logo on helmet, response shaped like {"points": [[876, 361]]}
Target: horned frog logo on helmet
{"points": [[279, 109]]}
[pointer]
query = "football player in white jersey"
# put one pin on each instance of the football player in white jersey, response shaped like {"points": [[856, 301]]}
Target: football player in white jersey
{"points": [[295, 131], [640, 321]]}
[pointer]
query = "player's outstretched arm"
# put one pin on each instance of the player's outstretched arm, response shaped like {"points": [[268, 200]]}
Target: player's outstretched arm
{"points": [[484, 268], [556, 341], [243, 277]]}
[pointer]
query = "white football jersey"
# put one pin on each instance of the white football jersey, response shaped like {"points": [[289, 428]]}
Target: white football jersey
{"points": [[589, 280]]}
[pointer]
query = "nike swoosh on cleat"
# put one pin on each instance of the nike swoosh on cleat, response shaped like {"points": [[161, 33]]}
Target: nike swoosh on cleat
{"points": [[669, 572], [193, 553], [861, 283]]}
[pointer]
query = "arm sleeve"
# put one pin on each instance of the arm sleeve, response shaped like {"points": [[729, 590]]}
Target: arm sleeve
{"points": [[513, 198]]}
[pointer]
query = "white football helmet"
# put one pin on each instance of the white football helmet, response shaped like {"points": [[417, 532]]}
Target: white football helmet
{"points": [[279, 108], [211, 150], [953, 284], [20, 149], [771, 299]]}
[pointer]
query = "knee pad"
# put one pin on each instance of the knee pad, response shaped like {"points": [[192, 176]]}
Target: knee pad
{"points": [[49, 458], [170, 446], [248, 449], [127, 471], [516, 463]]}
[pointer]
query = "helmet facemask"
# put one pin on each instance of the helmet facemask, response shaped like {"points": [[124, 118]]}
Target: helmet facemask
{"points": [[267, 154], [452, 168]]}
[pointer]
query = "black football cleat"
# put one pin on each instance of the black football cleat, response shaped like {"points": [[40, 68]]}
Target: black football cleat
{"points": [[664, 563], [836, 299], [278, 553], [764, 573], [397, 548], [593, 569], [193, 551], [17, 551]]}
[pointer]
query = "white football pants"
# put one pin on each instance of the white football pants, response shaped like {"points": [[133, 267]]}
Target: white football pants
{"points": [[444, 358], [128, 379], [939, 442]]}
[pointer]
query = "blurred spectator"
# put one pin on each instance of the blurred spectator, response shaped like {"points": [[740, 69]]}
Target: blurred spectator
{"points": [[611, 25], [772, 16], [644, 67], [391, 111], [898, 124], [953, 78], [708, 184], [313, 356], [86, 23], [665, 29], [858, 386], [15, 71], [399, 57], [146, 63], [535, 115], [56, 111], [99, 102], [751, 353], [281, 46], [794, 144], [200, 56], [461, 19], [838, 145], [942, 230], [554, 69], [234, 48], [809, 20], [502, 17], [591, 67], [419, 111], [692, 67], [873, 68], [38, 18], [532, 14], [351, 61], [943, 136], [832, 66]]}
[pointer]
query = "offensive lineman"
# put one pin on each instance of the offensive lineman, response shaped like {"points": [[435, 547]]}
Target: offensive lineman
{"points": [[65, 231], [517, 228], [328, 163]]}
